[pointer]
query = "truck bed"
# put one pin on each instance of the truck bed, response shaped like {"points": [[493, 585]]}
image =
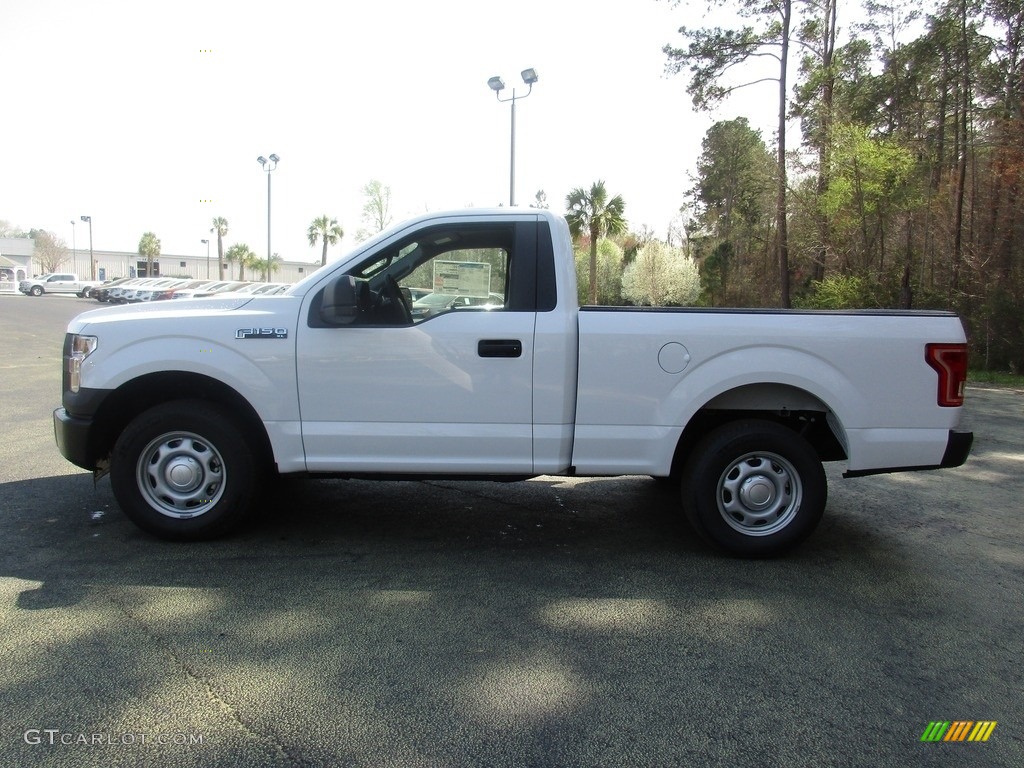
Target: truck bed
{"points": [[643, 372]]}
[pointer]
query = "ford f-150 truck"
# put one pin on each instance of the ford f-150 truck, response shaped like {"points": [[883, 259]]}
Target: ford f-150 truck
{"points": [[57, 282], [191, 407]]}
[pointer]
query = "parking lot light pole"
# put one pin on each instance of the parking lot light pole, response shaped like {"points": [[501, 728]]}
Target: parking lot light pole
{"points": [[207, 257], [74, 248], [268, 167], [496, 84], [92, 263]]}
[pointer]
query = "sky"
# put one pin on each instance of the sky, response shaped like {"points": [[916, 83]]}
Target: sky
{"points": [[149, 116]]}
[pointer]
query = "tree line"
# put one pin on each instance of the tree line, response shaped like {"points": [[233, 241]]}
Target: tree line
{"points": [[615, 266], [903, 188]]}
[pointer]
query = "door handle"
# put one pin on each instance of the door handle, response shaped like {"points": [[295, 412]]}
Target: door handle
{"points": [[499, 348]]}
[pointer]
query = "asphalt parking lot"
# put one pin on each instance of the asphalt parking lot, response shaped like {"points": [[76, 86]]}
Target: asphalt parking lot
{"points": [[554, 622]]}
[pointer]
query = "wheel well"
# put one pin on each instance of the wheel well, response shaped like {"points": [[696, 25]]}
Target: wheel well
{"points": [[790, 407], [138, 395]]}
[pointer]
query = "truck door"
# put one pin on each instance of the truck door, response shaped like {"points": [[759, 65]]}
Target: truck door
{"points": [[59, 283], [420, 358]]}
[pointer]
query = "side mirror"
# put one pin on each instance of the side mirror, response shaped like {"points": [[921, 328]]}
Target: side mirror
{"points": [[340, 304]]}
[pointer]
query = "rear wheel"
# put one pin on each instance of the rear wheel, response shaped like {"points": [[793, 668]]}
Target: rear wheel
{"points": [[754, 488], [184, 471]]}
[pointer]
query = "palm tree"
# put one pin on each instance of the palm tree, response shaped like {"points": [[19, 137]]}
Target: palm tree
{"points": [[275, 264], [241, 253], [229, 259], [149, 246], [220, 226], [591, 211], [328, 230]]}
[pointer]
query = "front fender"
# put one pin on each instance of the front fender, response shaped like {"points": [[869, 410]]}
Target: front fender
{"points": [[267, 381]]}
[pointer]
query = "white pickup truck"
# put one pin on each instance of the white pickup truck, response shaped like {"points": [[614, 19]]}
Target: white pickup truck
{"points": [[58, 282], [191, 407]]}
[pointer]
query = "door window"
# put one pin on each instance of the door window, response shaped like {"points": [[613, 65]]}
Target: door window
{"points": [[436, 271]]}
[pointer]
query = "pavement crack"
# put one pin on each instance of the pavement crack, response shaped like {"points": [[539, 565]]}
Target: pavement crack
{"points": [[273, 745]]}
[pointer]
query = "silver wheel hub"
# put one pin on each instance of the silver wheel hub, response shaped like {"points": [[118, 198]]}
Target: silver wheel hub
{"points": [[759, 493], [184, 473], [181, 475]]}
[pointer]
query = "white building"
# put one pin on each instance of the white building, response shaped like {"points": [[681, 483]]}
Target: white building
{"points": [[15, 262], [112, 264], [17, 258]]}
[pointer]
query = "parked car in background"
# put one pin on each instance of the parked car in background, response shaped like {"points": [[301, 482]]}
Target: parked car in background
{"points": [[150, 291], [57, 282], [491, 301], [168, 292], [415, 294], [257, 289], [115, 296], [183, 291], [127, 296], [209, 289], [142, 292], [102, 292], [273, 289], [435, 303]]}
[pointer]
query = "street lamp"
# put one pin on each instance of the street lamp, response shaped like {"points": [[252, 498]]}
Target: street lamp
{"points": [[268, 166], [497, 85], [207, 257], [92, 264], [74, 248]]}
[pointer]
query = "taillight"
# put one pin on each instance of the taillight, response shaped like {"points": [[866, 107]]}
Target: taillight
{"points": [[950, 361]]}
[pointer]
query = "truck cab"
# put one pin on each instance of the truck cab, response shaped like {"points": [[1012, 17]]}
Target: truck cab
{"points": [[467, 389]]}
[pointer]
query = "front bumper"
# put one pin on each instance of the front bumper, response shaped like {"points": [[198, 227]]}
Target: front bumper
{"points": [[74, 438], [958, 448]]}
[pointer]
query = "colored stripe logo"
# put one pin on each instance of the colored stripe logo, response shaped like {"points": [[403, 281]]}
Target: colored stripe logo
{"points": [[958, 730]]}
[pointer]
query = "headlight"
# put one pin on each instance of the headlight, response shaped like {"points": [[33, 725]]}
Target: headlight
{"points": [[76, 349]]}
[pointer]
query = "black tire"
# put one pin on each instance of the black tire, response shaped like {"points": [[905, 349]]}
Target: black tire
{"points": [[37, 290], [754, 488], [184, 471]]}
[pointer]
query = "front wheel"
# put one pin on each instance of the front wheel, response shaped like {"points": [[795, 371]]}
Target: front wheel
{"points": [[754, 488], [183, 471], [37, 290]]}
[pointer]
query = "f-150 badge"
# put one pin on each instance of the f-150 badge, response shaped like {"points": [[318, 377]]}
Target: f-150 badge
{"points": [[261, 333]]}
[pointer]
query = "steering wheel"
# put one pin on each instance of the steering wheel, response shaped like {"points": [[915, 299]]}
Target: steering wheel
{"points": [[397, 299]]}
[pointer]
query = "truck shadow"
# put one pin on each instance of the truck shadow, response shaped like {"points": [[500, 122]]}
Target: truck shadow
{"points": [[64, 532]]}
